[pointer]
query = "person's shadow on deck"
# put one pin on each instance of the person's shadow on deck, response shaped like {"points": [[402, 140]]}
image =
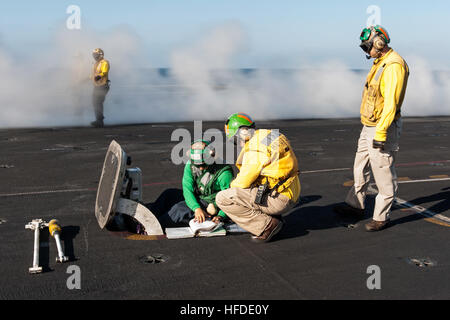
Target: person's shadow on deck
{"points": [[304, 218], [442, 205]]}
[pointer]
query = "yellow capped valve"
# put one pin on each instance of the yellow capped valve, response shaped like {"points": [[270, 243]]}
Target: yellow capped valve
{"points": [[55, 230], [53, 226]]}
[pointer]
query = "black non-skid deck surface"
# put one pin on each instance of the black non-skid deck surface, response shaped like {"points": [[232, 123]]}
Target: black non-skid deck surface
{"points": [[54, 173]]}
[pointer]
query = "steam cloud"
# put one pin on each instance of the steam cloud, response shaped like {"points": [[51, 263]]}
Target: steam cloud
{"points": [[52, 88]]}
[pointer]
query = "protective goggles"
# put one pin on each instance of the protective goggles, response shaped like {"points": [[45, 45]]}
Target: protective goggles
{"points": [[365, 34], [197, 157], [201, 154], [366, 45]]}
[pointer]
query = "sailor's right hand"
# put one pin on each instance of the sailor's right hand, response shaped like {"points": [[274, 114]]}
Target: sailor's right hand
{"points": [[217, 219], [200, 215]]}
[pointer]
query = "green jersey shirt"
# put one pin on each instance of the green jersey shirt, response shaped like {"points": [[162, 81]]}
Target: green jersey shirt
{"points": [[205, 184]]}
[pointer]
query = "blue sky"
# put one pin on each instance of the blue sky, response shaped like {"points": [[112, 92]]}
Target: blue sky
{"points": [[280, 32]]}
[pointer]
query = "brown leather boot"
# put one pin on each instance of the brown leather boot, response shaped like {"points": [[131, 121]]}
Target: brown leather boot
{"points": [[375, 226], [275, 226]]}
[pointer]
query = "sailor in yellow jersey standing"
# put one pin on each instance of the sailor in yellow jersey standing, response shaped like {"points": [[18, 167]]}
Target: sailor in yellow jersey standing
{"points": [[382, 100], [100, 79], [267, 184]]}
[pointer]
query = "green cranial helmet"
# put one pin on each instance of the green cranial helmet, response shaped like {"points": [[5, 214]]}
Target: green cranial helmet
{"points": [[237, 121], [367, 33], [201, 153]]}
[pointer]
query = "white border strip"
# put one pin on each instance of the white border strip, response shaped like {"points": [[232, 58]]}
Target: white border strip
{"points": [[418, 209], [42, 192], [424, 180], [421, 210], [325, 170]]}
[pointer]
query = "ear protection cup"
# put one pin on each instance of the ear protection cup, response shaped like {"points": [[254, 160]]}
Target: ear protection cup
{"points": [[244, 133], [210, 151], [209, 154], [379, 43]]}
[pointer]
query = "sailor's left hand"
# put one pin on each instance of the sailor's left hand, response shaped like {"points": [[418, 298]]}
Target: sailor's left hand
{"points": [[200, 215], [379, 144]]}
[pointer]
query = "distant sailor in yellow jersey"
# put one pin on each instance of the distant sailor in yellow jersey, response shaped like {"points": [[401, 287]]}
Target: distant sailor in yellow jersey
{"points": [[267, 185], [100, 79], [382, 100]]}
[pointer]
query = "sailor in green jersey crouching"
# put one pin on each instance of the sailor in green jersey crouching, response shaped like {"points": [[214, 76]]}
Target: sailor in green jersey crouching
{"points": [[203, 178]]}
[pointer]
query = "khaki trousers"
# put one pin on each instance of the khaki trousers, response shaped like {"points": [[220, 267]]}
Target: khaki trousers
{"points": [[382, 165], [98, 99], [239, 205]]}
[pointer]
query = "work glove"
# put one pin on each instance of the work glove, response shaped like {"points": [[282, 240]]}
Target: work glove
{"points": [[97, 78], [378, 144]]}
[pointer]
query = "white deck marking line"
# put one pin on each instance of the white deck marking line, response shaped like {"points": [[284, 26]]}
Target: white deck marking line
{"points": [[325, 170], [161, 183], [417, 209], [347, 183], [421, 210], [42, 192], [398, 165], [33, 193], [424, 180]]}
